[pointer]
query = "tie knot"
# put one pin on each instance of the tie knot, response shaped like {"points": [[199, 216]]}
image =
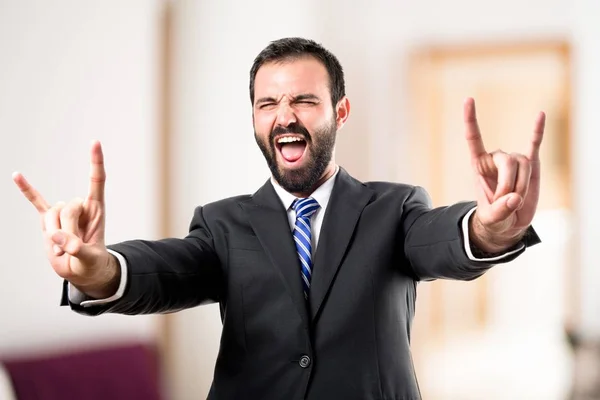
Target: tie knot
{"points": [[305, 207]]}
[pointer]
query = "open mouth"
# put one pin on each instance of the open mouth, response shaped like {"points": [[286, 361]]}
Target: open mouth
{"points": [[291, 148]]}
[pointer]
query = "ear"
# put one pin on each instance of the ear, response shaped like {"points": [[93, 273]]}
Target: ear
{"points": [[342, 112]]}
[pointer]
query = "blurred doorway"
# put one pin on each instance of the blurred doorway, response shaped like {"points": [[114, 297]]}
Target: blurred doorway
{"points": [[469, 336]]}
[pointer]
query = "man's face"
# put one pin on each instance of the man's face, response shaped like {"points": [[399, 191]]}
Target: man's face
{"points": [[295, 123]]}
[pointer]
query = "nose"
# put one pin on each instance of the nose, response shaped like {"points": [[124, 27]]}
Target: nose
{"points": [[285, 115]]}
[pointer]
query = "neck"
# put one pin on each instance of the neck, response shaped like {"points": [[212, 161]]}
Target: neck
{"points": [[328, 173]]}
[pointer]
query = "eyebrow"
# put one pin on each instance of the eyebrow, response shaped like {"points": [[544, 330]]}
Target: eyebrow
{"points": [[300, 97], [308, 96]]}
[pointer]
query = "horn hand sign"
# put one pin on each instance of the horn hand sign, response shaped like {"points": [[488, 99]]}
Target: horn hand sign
{"points": [[74, 234], [508, 187]]}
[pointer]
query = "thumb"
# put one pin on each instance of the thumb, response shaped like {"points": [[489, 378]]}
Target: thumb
{"points": [[73, 245], [503, 208]]}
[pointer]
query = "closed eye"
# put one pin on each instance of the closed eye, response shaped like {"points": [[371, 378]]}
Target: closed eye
{"points": [[265, 106], [305, 103]]}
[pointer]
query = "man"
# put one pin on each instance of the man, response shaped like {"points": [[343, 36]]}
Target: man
{"points": [[315, 273]]}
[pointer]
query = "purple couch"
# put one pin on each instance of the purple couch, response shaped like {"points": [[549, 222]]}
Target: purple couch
{"points": [[125, 372]]}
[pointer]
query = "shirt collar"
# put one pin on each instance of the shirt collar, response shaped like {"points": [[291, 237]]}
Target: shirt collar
{"points": [[321, 195]]}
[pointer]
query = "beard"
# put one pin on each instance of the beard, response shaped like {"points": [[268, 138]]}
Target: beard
{"points": [[319, 150]]}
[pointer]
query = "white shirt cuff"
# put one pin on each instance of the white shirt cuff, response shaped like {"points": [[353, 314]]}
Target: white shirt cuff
{"points": [[467, 242], [78, 297]]}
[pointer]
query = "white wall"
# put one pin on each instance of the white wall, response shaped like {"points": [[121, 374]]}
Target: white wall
{"points": [[70, 72], [586, 31]]}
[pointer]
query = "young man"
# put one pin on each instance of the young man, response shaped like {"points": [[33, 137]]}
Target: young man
{"points": [[316, 272]]}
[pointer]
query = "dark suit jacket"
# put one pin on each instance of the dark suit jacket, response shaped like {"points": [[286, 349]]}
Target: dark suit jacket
{"points": [[352, 339]]}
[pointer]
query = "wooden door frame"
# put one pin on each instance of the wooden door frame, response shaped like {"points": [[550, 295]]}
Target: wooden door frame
{"points": [[427, 57]]}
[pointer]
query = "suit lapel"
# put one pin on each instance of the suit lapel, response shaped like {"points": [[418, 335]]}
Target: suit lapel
{"points": [[348, 198], [270, 223]]}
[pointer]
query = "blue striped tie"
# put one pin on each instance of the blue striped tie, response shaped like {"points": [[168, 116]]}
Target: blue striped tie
{"points": [[304, 208]]}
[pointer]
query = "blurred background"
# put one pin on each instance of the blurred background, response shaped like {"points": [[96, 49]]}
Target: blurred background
{"points": [[164, 86]]}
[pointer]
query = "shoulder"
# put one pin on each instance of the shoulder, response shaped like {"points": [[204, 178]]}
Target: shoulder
{"points": [[226, 205], [220, 214], [395, 189]]}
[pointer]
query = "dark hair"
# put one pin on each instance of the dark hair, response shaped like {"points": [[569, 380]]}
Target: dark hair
{"points": [[293, 48]]}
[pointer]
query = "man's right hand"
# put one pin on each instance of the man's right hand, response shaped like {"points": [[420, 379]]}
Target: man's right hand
{"points": [[74, 234]]}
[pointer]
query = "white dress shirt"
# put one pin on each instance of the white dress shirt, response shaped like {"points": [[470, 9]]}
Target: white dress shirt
{"points": [[321, 195]]}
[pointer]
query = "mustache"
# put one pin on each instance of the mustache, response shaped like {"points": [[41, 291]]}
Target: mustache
{"points": [[295, 129]]}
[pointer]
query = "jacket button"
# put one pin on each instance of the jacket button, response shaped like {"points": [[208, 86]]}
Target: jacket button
{"points": [[304, 361]]}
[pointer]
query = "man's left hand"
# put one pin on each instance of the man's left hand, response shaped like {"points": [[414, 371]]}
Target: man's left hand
{"points": [[508, 187]]}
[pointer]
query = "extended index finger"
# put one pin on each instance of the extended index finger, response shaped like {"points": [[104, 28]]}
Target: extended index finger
{"points": [[97, 173], [472, 132], [30, 193], [538, 135]]}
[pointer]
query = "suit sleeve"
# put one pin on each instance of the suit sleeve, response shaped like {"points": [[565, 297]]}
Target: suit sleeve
{"points": [[165, 275], [434, 241]]}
